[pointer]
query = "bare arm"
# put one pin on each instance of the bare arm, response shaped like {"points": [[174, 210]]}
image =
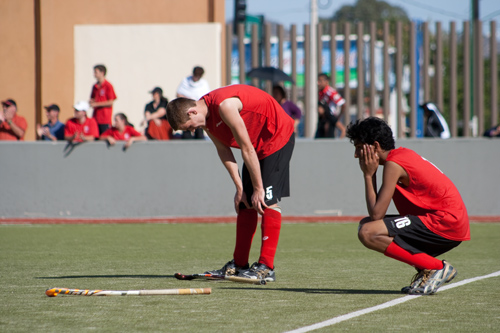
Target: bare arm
{"points": [[18, 131], [95, 104], [158, 114], [79, 135], [134, 139], [377, 203], [342, 129], [229, 111], [227, 158], [87, 137]]}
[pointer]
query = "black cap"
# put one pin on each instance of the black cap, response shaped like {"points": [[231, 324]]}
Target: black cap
{"points": [[53, 107], [157, 90], [9, 102]]}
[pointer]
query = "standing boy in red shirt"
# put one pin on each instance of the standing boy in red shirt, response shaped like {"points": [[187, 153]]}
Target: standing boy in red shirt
{"points": [[433, 218], [247, 118], [102, 98]]}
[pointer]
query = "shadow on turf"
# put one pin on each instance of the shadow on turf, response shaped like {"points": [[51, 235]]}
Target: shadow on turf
{"points": [[106, 277], [325, 290]]}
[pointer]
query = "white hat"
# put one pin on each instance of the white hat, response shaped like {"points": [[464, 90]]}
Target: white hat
{"points": [[82, 106]]}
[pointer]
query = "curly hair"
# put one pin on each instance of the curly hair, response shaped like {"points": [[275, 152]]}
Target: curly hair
{"points": [[370, 130], [177, 111]]}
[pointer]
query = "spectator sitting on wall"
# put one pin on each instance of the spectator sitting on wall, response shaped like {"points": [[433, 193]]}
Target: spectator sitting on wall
{"points": [[81, 128], [155, 115], [327, 123], [122, 131], [436, 125], [193, 87], [102, 98], [53, 130], [12, 126], [290, 108], [493, 132]]}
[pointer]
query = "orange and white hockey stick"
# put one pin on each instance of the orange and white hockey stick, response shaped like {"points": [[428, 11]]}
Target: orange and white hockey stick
{"points": [[52, 292]]}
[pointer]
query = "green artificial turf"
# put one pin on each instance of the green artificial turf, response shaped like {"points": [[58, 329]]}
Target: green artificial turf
{"points": [[322, 272]]}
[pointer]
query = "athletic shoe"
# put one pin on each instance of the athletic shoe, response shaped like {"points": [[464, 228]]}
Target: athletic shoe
{"points": [[259, 271], [433, 279], [415, 281], [229, 269]]}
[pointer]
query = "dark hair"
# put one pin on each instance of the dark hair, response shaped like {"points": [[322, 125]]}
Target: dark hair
{"points": [[101, 68], [370, 130], [198, 71], [324, 75], [325, 106], [123, 117], [280, 90], [177, 111]]}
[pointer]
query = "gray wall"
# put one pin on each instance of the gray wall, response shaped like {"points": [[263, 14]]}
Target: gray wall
{"points": [[186, 178]]}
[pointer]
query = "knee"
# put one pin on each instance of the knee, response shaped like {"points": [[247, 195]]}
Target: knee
{"points": [[365, 234]]}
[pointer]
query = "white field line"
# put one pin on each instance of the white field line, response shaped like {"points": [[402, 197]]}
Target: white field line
{"points": [[355, 314]]}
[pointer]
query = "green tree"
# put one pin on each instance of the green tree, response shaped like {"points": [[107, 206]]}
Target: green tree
{"points": [[367, 11], [370, 10]]}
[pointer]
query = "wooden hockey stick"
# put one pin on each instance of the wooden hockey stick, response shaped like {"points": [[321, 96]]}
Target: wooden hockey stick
{"points": [[180, 276], [52, 292]]}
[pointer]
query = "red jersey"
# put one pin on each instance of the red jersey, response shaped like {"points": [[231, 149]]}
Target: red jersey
{"points": [[102, 93], [89, 127], [268, 125], [125, 135], [6, 132], [430, 195], [332, 98]]}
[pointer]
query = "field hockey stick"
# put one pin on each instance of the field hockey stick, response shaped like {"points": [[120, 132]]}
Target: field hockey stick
{"points": [[180, 276], [52, 292]]}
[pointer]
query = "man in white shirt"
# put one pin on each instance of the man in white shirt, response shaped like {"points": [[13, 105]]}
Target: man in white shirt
{"points": [[193, 87]]}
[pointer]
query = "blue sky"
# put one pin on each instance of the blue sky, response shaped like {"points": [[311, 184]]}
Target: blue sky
{"points": [[288, 12]]}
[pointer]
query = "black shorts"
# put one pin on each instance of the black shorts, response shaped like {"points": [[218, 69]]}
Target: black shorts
{"points": [[411, 234], [103, 128], [275, 171]]}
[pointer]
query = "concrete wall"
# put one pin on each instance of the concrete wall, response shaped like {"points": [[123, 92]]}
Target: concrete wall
{"points": [[186, 178]]}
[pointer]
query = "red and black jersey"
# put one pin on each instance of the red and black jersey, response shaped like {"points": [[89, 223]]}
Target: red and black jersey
{"points": [[268, 125], [431, 195]]}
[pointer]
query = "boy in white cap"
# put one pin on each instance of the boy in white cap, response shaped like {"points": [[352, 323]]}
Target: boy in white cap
{"points": [[81, 128]]}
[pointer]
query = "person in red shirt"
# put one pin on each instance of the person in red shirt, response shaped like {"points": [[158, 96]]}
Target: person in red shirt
{"points": [[12, 126], [432, 215], [122, 131], [81, 128], [330, 95], [247, 118], [102, 98]]}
